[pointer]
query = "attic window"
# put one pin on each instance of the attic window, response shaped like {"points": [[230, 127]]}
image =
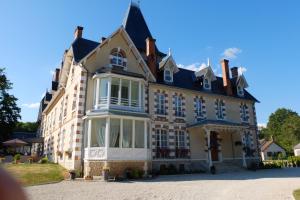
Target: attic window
{"points": [[206, 83], [240, 91], [168, 77], [118, 58]]}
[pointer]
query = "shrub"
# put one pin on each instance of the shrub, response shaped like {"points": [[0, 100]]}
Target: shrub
{"points": [[44, 160], [135, 174], [17, 157]]}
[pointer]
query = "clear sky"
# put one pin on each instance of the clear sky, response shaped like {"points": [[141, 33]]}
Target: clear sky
{"points": [[261, 36]]}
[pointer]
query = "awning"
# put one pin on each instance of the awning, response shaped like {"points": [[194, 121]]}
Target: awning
{"points": [[221, 124]]}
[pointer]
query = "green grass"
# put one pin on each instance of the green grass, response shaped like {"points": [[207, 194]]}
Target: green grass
{"points": [[296, 194], [35, 174]]}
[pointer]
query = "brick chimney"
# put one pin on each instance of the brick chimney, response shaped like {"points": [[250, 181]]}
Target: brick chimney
{"points": [[151, 54], [78, 32], [56, 75], [234, 72], [226, 78]]}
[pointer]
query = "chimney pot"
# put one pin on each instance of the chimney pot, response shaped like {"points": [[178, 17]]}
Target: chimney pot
{"points": [[78, 32], [226, 78], [234, 72], [151, 54]]}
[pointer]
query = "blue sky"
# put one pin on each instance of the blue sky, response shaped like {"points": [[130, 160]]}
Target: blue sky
{"points": [[261, 36]]}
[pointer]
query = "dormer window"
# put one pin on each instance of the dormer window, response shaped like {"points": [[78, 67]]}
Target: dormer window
{"points": [[206, 84], [118, 58], [168, 76], [240, 91]]}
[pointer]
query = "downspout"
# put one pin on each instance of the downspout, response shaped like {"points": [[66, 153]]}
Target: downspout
{"points": [[84, 112]]}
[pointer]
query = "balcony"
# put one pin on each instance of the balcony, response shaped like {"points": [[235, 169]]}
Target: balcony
{"points": [[118, 92]]}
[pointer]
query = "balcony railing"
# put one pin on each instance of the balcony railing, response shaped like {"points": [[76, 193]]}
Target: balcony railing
{"points": [[122, 103]]}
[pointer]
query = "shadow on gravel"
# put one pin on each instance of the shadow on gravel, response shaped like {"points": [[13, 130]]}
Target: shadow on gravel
{"points": [[241, 175]]}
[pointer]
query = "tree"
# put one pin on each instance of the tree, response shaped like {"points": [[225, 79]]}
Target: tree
{"points": [[9, 111], [277, 119], [284, 128], [26, 126]]}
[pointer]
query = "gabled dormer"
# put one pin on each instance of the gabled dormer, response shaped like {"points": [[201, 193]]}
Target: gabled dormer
{"points": [[168, 67], [206, 76], [240, 81]]}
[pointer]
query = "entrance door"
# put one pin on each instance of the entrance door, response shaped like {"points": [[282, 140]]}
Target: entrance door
{"points": [[214, 146]]}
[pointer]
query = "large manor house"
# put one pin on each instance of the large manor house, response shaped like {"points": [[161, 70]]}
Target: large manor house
{"points": [[121, 103]]}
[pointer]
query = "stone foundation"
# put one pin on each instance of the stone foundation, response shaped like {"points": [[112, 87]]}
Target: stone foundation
{"points": [[179, 165], [117, 168]]}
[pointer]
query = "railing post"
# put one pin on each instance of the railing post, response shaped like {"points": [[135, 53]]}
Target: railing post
{"points": [[97, 93], [108, 91]]}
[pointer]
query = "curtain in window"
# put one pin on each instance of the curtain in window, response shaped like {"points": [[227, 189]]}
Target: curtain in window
{"points": [[139, 134], [114, 133], [127, 134], [98, 133]]}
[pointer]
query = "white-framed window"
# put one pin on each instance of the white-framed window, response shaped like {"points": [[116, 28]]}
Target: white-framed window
{"points": [[220, 109], [66, 106], [161, 138], [161, 109], [180, 139], [240, 90], [178, 106], [244, 113], [118, 58], [199, 108], [168, 76]]}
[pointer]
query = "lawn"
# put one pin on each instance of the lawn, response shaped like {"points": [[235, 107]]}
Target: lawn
{"points": [[35, 174], [296, 194]]}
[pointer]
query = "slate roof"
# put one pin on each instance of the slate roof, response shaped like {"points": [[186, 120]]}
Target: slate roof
{"points": [[264, 144], [82, 47], [137, 29], [186, 79]]}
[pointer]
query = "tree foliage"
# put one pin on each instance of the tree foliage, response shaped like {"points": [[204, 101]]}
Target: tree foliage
{"points": [[284, 128], [9, 111], [26, 127]]}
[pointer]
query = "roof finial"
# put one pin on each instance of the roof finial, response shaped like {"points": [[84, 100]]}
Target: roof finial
{"points": [[170, 53], [208, 62]]}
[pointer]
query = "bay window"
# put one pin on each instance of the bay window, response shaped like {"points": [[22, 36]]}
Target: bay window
{"points": [[119, 92]]}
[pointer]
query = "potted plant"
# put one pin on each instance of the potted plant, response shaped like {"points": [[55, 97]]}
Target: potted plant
{"points": [[30, 160], [105, 173], [68, 153], [17, 158], [59, 153], [72, 174]]}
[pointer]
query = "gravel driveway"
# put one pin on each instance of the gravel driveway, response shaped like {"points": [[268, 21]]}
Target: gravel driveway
{"points": [[264, 184]]}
